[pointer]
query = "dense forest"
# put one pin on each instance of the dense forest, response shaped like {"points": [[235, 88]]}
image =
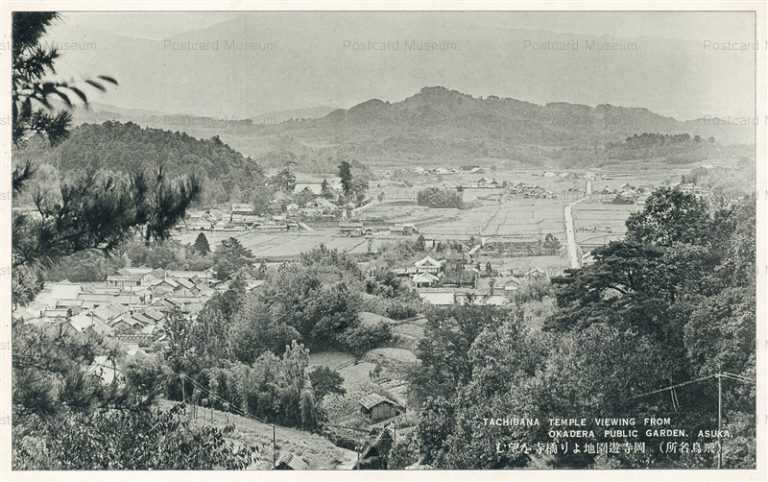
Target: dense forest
{"points": [[128, 147], [674, 301]]}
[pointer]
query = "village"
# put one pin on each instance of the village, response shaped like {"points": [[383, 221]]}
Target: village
{"points": [[500, 250]]}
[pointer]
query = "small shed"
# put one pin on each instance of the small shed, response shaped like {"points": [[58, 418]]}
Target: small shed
{"points": [[376, 408], [291, 462]]}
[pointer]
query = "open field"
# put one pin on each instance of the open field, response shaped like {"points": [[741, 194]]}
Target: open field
{"points": [[523, 219], [280, 244], [597, 222]]}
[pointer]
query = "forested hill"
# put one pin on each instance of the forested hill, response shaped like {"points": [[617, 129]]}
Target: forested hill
{"points": [[128, 147]]}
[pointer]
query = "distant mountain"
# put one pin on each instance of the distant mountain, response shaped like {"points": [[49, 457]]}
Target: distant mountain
{"points": [[279, 116], [270, 61], [437, 124], [442, 124]]}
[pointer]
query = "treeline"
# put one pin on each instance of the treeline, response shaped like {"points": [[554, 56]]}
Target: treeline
{"points": [[673, 301], [128, 147], [647, 139], [436, 197]]}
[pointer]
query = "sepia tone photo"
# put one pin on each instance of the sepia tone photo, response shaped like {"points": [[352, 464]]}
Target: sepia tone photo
{"points": [[384, 240]]}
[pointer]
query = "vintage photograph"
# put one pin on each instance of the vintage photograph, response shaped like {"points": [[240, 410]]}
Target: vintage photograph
{"points": [[383, 240]]}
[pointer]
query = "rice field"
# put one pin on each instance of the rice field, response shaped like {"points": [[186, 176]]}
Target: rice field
{"points": [[283, 244], [596, 222], [524, 219]]}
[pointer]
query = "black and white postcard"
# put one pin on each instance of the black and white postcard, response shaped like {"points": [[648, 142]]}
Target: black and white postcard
{"points": [[352, 239]]}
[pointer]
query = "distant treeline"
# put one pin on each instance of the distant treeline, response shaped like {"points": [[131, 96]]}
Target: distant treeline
{"points": [[436, 197], [647, 139]]}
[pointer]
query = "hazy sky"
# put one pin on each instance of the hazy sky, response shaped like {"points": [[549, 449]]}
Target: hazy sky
{"points": [[684, 65], [672, 25]]}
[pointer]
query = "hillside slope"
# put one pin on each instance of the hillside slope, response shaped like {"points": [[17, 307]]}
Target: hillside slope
{"points": [[128, 147]]}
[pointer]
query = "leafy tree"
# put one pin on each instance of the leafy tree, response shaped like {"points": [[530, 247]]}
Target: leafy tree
{"points": [[284, 181], [162, 202], [201, 245], [255, 331], [32, 87], [229, 258], [421, 244], [326, 381], [444, 350], [345, 175], [326, 190], [670, 216], [129, 440], [551, 244], [361, 338], [261, 199]]}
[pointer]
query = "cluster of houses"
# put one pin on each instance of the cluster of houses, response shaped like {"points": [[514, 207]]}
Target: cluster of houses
{"points": [[429, 272], [129, 306], [243, 216], [530, 191], [358, 228], [624, 194], [454, 281]]}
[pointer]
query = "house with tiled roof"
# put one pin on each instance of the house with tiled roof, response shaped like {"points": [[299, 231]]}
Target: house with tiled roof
{"points": [[430, 265], [375, 408]]}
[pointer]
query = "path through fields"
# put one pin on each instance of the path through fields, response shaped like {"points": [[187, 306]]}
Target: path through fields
{"points": [[570, 231]]}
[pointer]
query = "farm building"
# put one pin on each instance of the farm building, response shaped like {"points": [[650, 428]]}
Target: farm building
{"points": [[405, 229], [352, 229], [291, 462], [125, 281], [376, 408], [244, 214]]}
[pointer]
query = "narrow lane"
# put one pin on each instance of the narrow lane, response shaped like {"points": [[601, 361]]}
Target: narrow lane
{"points": [[570, 231]]}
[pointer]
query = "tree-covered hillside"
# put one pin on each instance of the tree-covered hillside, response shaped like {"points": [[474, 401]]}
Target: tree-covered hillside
{"points": [[129, 147]]}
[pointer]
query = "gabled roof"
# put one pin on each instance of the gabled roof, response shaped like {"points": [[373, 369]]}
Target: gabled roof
{"points": [[185, 283], [82, 322], [135, 271], [56, 313], [153, 314], [108, 311], [428, 261], [143, 319], [242, 208], [168, 281], [293, 462], [370, 401], [126, 277]]}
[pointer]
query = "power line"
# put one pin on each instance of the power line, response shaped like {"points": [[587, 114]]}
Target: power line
{"points": [[670, 387], [719, 376]]}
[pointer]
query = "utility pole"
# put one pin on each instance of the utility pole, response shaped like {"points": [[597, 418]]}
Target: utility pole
{"points": [[274, 446], [719, 418]]}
